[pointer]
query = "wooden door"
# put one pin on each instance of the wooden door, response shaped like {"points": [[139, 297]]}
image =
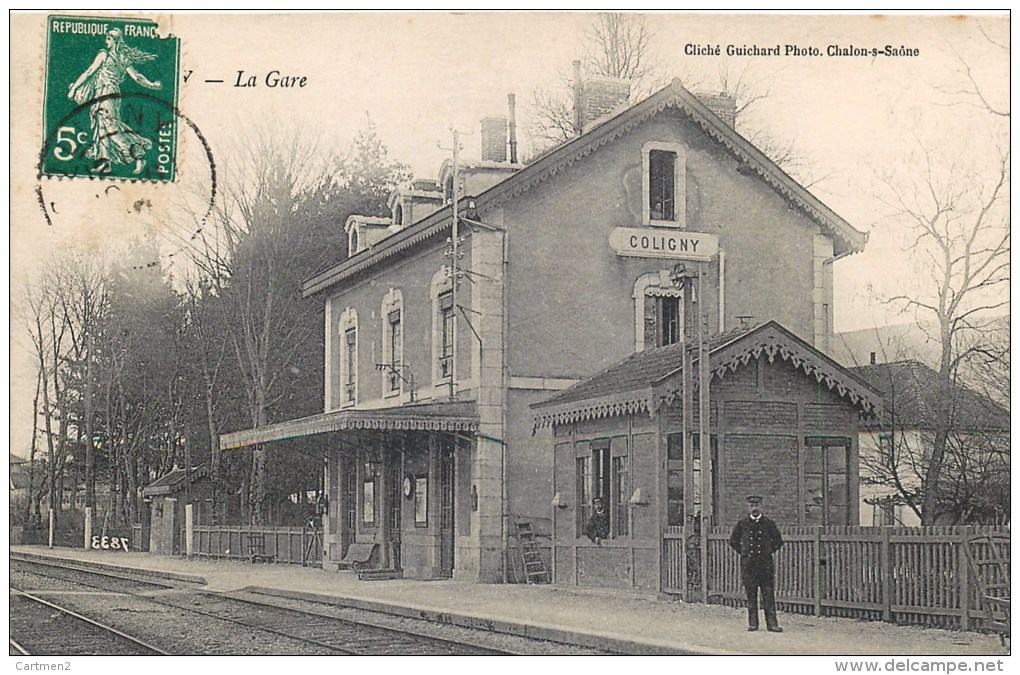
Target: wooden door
{"points": [[446, 510]]}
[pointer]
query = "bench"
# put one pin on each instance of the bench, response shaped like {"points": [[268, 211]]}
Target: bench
{"points": [[256, 544], [359, 555]]}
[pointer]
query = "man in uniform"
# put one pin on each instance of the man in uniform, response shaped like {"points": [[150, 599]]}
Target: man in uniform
{"points": [[598, 524], [756, 538]]}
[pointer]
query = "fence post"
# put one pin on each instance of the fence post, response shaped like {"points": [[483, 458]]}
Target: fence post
{"points": [[88, 527], [964, 576], [189, 530], [885, 556], [818, 571]]}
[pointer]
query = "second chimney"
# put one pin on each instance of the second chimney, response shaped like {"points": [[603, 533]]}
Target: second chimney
{"points": [[494, 139], [601, 96], [723, 105]]}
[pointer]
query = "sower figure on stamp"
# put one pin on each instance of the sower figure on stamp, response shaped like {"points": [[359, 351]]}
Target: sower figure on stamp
{"points": [[112, 139], [598, 524], [756, 538]]}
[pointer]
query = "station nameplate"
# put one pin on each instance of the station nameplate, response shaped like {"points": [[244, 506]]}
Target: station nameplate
{"points": [[658, 243]]}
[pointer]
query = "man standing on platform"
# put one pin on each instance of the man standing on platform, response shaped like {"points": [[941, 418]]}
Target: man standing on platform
{"points": [[756, 538]]}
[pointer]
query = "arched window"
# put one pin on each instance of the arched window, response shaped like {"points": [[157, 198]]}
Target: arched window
{"points": [[352, 241], [348, 328], [443, 327], [658, 311], [398, 215], [395, 372]]}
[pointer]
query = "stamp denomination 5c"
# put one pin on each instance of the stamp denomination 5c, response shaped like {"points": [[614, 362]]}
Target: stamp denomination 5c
{"points": [[110, 106]]}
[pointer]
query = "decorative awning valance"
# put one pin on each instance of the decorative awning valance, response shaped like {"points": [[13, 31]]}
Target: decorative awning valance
{"points": [[453, 416]]}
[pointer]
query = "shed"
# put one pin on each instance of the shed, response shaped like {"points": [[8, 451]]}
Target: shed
{"points": [[167, 496]]}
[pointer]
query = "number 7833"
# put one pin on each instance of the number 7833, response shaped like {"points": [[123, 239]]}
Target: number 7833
{"points": [[105, 542]]}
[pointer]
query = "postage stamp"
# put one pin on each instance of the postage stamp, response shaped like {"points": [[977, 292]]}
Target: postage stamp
{"points": [[110, 102]]}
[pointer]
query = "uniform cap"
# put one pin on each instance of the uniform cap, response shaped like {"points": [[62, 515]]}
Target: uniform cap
{"points": [[754, 499]]}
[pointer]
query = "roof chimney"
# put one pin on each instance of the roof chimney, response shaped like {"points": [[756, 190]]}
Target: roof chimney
{"points": [[602, 96], [494, 139], [511, 100], [723, 105]]}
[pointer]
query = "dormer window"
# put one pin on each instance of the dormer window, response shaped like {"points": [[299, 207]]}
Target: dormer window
{"points": [[398, 215], [664, 177], [352, 242], [448, 190]]}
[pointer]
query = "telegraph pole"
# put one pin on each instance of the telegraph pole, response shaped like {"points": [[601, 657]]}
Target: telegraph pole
{"points": [[453, 260]]}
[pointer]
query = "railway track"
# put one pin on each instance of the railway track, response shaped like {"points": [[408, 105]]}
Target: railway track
{"points": [[317, 627], [40, 628]]}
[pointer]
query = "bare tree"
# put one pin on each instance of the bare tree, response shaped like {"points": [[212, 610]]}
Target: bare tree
{"points": [[616, 44], [960, 219]]}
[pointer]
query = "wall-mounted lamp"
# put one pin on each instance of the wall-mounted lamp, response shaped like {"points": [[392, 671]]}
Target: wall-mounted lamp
{"points": [[557, 502], [638, 498]]}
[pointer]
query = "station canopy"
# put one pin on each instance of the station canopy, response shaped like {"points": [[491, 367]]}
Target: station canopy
{"points": [[451, 416]]}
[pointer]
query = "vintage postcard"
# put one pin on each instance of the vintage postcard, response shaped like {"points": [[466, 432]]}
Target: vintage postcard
{"points": [[451, 330]]}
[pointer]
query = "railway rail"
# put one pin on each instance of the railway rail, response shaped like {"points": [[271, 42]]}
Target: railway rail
{"points": [[40, 627], [318, 627]]}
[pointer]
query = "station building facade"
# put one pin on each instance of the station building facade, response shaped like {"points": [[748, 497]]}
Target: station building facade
{"points": [[564, 266]]}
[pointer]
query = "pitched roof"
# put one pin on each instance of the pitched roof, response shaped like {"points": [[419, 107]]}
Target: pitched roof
{"points": [[173, 481], [911, 391], [648, 379], [846, 238]]}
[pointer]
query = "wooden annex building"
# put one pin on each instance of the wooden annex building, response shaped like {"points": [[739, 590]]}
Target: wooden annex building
{"points": [[783, 424], [501, 284]]}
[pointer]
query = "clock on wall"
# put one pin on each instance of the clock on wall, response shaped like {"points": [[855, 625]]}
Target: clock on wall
{"points": [[408, 486]]}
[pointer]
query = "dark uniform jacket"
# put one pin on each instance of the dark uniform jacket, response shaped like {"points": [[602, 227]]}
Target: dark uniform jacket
{"points": [[756, 541], [598, 526]]}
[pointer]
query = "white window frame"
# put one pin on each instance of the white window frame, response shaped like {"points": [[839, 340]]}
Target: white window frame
{"points": [[679, 184], [654, 284], [440, 285], [348, 320], [393, 301]]}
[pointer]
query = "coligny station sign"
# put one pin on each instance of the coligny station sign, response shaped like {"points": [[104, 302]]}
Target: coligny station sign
{"points": [[656, 243]]}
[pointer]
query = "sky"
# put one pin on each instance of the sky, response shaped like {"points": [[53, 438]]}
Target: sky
{"points": [[420, 75]]}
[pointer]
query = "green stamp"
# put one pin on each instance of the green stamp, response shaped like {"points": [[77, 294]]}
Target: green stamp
{"points": [[110, 102]]}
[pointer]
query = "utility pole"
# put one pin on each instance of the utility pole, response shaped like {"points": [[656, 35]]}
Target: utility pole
{"points": [[453, 260], [453, 270]]}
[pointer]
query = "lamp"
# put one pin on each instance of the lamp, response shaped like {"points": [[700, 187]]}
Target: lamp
{"points": [[557, 502]]}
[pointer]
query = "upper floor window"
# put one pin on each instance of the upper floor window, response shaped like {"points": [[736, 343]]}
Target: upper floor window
{"points": [[661, 190], [443, 327], [658, 306], [393, 342], [664, 178], [352, 242], [349, 357], [446, 335]]}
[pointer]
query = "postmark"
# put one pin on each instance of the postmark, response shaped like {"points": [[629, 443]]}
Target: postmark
{"points": [[110, 98]]}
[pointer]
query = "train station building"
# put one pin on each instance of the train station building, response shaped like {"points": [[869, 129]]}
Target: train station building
{"points": [[512, 361]]}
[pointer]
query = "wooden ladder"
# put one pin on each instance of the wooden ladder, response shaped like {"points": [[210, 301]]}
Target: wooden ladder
{"points": [[535, 571]]}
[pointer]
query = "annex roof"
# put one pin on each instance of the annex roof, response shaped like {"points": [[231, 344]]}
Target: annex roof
{"points": [[440, 416], [846, 238], [648, 379], [911, 399], [173, 481]]}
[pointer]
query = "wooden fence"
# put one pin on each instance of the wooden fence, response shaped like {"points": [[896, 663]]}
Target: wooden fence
{"points": [[909, 575], [296, 545]]}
